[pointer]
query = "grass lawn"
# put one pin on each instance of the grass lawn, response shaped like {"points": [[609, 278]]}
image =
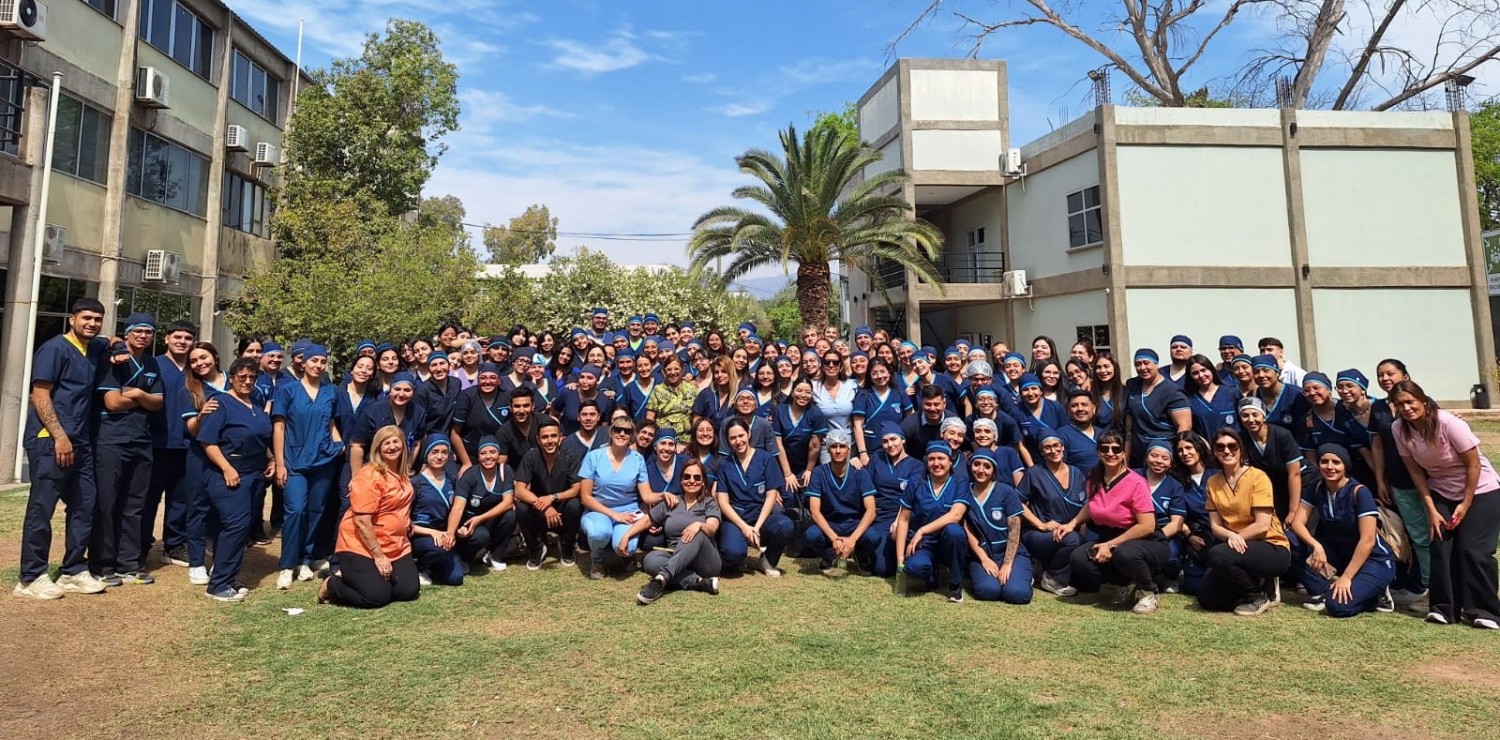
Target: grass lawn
{"points": [[550, 654]]}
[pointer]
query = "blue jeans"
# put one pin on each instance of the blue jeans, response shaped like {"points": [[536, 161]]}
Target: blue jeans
{"points": [[304, 495], [1016, 590], [604, 534]]}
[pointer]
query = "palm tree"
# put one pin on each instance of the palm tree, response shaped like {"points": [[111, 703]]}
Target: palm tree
{"points": [[811, 223]]}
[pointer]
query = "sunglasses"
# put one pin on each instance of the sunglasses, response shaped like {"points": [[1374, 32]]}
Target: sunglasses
{"points": [[1226, 447], [691, 476], [834, 361], [1110, 449], [620, 430]]}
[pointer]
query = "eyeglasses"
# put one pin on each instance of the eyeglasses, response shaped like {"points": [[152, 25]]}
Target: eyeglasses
{"points": [[691, 476], [242, 378], [1226, 447], [1110, 449]]}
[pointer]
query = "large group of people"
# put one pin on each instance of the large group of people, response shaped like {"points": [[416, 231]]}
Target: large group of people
{"points": [[694, 457]]}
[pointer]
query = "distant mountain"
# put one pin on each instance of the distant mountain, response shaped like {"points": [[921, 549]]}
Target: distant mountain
{"points": [[762, 287]]}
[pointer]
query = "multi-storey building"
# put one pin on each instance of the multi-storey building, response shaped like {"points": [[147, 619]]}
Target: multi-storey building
{"points": [[1350, 236], [168, 132]]}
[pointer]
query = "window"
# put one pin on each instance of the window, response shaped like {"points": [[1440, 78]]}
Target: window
{"points": [[166, 173], [106, 7], [171, 27], [164, 307], [253, 86], [56, 297], [245, 205], [1098, 334], [1084, 223], [82, 147], [976, 238]]}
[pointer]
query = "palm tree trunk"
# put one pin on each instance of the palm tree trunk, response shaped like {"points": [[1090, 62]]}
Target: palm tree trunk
{"points": [[812, 293]]}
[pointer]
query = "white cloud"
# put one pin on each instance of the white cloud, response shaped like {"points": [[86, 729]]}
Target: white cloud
{"points": [[790, 79], [616, 53], [739, 110], [702, 78], [483, 107]]}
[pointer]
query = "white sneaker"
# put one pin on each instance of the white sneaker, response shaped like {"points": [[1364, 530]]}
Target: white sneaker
{"points": [[495, 563], [83, 583], [423, 579], [284, 579], [1146, 604], [198, 575], [42, 589], [768, 569], [305, 573], [319, 566]]}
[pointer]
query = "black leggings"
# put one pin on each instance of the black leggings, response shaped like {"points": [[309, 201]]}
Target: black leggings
{"points": [[1236, 578], [1464, 577], [360, 585], [1138, 562]]}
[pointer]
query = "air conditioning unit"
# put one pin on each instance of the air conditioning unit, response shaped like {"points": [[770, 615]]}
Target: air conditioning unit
{"points": [[163, 266], [236, 139], [53, 243], [1011, 164], [24, 18], [1013, 284], [152, 87], [267, 154]]}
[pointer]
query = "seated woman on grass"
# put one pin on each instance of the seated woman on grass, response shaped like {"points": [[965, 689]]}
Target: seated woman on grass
{"points": [[689, 560], [436, 513], [376, 566], [1351, 567]]}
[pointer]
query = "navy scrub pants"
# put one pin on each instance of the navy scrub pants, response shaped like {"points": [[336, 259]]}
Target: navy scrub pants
{"points": [[124, 474], [442, 566], [1368, 584], [774, 536], [169, 485], [1015, 590], [229, 517], [867, 544], [305, 494], [884, 563], [199, 508], [74, 487], [945, 548], [492, 536], [1053, 557]]}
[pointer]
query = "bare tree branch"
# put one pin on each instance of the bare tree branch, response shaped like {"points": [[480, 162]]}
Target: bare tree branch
{"points": [[1438, 79], [1364, 59]]}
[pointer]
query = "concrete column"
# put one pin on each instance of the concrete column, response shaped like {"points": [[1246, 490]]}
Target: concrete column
{"points": [[1007, 329], [119, 158], [1291, 159], [208, 291], [14, 386], [1468, 195], [1114, 247]]}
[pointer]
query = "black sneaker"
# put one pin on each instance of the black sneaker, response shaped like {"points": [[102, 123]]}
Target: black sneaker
{"points": [[826, 565], [955, 594], [1315, 603], [258, 536], [535, 558], [1386, 603], [566, 556], [652, 591], [177, 556], [110, 580], [596, 571], [709, 586]]}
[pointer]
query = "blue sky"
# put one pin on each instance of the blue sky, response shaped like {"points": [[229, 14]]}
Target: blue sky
{"points": [[625, 117]]}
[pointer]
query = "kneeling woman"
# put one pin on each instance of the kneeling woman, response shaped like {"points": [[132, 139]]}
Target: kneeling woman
{"points": [[690, 561], [1130, 551], [749, 496], [998, 569], [1351, 568], [1252, 548], [928, 533], [376, 566], [435, 514], [487, 494], [1052, 495]]}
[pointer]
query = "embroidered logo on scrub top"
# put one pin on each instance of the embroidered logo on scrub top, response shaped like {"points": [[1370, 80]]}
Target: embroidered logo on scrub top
{"points": [[903, 485], [997, 515], [760, 489]]}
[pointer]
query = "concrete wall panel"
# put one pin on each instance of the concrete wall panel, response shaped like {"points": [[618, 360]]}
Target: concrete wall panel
{"points": [[1058, 317], [1155, 315], [1432, 331], [1382, 208], [956, 150], [881, 113], [1038, 208], [955, 95]]}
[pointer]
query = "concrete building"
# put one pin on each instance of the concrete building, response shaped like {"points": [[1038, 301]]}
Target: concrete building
{"points": [[1351, 236], [168, 130]]}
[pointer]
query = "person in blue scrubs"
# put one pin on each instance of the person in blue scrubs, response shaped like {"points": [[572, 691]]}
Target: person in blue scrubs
{"points": [[999, 569], [438, 395], [1284, 404], [613, 485], [307, 448], [235, 438], [928, 529], [1323, 424], [60, 452], [399, 409], [565, 406], [716, 401], [762, 434], [435, 514], [1007, 430], [170, 443], [1052, 493], [1082, 429], [486, 495], [877, 404], [590, 435], [480, 412], [1212, 404], [841, 504], [1155, 409], [749, 492], [361, 388], [1038, 416], [1193, 466], [1167, 499], [800, 427], [1351, 567], [892, 471], [1008, 465], [128, 394]]}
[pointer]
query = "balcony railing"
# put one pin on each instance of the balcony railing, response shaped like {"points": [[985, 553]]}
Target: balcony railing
{"points": [[971, 267], [13, 84]]}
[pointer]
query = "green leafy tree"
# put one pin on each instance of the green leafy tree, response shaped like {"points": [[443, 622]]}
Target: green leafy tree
{"points": [[1485, 125], [530, 237], [371, 126], [846, 122], [785, 318], [446, 210], [806, 221]]}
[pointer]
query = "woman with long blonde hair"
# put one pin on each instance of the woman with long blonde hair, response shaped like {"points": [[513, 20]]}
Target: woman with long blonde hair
{"points": [[376, 566]]}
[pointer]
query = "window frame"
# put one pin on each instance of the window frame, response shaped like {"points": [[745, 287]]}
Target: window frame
{"points": [[246, 205], [199, 45], [270, 87], [146, 151], [1083, 212], [74, 148], [114, 7]]}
